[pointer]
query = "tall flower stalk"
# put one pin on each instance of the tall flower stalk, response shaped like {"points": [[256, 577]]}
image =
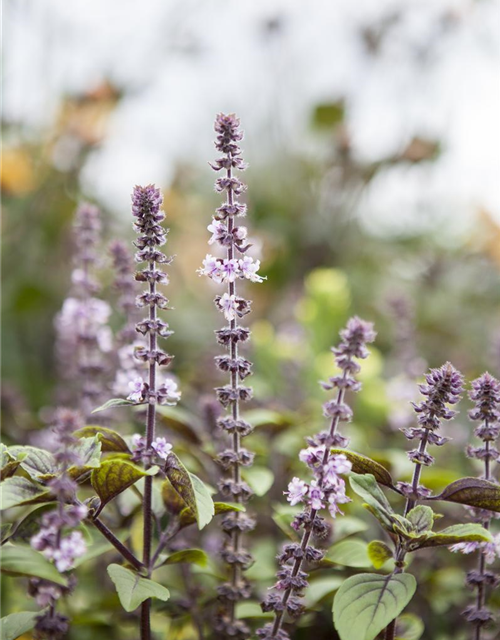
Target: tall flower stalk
{"points": [[442, 387], [231, 237], [55, 540], [326, 490], [146, 203], [83, 334], [485, 393]]}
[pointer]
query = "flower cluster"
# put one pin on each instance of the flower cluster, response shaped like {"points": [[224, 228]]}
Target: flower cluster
{"points": [[442, 387], [326, 490], [160, 447], [82, 324], [233, 239], [56, 540], [485, 394], [166, 391]]}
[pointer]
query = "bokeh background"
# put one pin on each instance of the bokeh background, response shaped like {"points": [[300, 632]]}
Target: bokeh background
{"points": [[372, 134]]}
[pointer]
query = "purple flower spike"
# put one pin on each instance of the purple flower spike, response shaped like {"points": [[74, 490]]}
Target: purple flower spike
{"points": [[327, 488]]}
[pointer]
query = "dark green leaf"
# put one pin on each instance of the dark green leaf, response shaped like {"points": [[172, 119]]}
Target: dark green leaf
{"points": [[365, 604], [362, 464], [133, 589], [367, 488], [110, 440], [457, 533], [421, 518], [473, 492], [190, 556], [191, 489], [20, 560], [114, 476], [17, 491]]}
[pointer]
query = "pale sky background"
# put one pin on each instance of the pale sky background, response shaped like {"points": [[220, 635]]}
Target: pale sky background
{"points": [[437, 75]]}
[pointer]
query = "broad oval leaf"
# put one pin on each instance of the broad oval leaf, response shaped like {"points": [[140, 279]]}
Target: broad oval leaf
{"points": [[17, 491], [191, 489], [133, 589], [473, 492], [421, 518], [110, 440], [17, 624], [365, 604], [362, 464], [349, 553], [114, 476], [379, 553], [37, 462], [470, 532], [116, 402], [25, 561], [320, 588]]}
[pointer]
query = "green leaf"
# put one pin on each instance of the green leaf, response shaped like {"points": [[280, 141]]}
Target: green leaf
{"points": [[349, 553], [26, 561], [187, 517], [89, 451], [30, 525], [190, 556], [251, 610], [110, 440], [191, 489], [365, 604], [473, 492], [37, 462], [114, 476], [379, 553], [367, 488], [421, 518], [409, 627], [133, 590], [259, 479], [17, 491], [457, 533], [17, 624], [362, 464], [179, 420], [116, 402], [348, 526]]}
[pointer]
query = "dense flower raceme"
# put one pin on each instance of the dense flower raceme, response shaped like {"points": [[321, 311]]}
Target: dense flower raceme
{"points": [[57, 540], [442, 387], [233, 266], [83, 334], [327, 488], [485, 394]]}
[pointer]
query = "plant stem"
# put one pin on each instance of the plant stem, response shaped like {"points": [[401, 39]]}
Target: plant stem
{"points": [[410, 503], [390, 630], [148, 483], [126, 553], [481, 594]]}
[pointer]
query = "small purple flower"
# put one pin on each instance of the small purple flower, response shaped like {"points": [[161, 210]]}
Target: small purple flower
{"points": [[229, 270], [249, 268], [297, 490], [136, 390], [70, 548], [212, 268], [161, 447], [312, 456], [316, 496], [168, 392]]}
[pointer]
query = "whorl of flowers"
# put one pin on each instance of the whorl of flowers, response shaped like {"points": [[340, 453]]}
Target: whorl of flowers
{"points": [[442, 387], [55, 539], [485, 393], [232, 238], [146, 203], [327, 488], [83, 335]]}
